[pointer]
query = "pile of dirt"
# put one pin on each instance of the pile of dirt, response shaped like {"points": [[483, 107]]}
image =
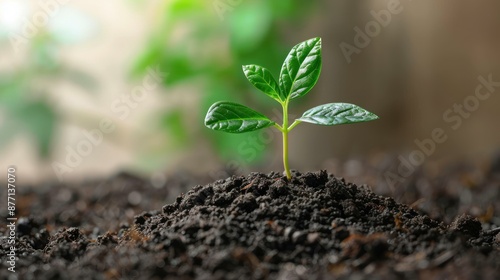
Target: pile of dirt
{"points": [[262, 226]]}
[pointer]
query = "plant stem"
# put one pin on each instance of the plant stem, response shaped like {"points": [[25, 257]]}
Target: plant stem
{"points": [[285, 139], [294, 124], [285, 155]]}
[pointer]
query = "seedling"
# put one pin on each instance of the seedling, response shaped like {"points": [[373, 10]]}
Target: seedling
{"points": [[299, 74]]}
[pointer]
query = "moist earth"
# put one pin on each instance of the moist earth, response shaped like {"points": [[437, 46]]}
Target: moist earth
{"points": [[260, 226]]}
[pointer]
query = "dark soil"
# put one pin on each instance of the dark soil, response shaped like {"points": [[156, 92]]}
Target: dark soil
{"points": [[258, 226]]}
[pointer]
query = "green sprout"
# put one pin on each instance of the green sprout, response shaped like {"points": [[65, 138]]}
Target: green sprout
{"points": [[299, 74]]}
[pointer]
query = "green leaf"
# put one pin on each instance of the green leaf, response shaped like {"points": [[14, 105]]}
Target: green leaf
{"points": [[337, 113], [235, 118], [224, 144], [301, 69], [263, 80]]}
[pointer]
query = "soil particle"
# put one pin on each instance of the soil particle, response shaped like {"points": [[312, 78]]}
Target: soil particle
{"points": [[67, 243], [467, 225], [246, 203], [357, 246], [141, 219]]}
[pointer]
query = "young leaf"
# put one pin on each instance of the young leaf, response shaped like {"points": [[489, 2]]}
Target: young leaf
{"points": [[235, 118], [301, 69], [263, 80], [337, 113]]}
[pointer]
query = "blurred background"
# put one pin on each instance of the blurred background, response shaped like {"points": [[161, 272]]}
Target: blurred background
{"points": [[91, 88]]}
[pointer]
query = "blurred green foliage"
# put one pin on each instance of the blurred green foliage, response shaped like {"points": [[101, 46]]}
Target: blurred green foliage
{"points": [[25, 100], [28, 103], [203, 44], [200, 44]]}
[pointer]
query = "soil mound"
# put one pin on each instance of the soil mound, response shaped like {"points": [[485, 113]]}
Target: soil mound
{"points": [[262, 226]]}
